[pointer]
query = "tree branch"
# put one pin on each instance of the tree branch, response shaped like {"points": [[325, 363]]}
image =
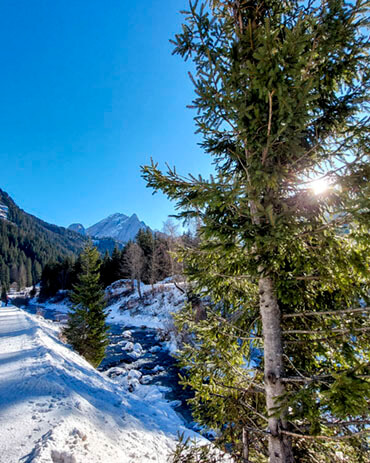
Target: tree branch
{"points": [[305, 436], [335, 330], [331, 312], [265, 151]]}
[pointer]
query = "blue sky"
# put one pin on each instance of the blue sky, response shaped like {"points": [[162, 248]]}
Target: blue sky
{"points": [[89, 91]]}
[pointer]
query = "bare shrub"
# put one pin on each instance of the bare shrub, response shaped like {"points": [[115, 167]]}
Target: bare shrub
{"points": [[188, 451]]}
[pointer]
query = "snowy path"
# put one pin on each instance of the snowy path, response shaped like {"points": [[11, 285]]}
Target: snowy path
{"points": [[54, 407]]}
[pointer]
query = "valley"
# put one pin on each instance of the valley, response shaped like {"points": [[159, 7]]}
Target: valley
{"points": [[65, 398]]}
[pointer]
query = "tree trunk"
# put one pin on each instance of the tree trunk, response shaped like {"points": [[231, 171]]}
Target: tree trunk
{"points": [[280, 447], [245, 439], [139, 288]]}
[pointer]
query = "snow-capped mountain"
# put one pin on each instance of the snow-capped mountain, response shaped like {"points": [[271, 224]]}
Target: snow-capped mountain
{"points": [[117, 226]]}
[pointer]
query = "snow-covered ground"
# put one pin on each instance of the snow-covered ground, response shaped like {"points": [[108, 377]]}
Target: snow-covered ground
{"points": [[125, 308], [153, 310], [54, 407]]}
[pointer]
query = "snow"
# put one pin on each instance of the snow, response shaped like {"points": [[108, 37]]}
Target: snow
{"points": [[126, 308], [55, 407], [62, 306], [153, 310], [117, 226]]}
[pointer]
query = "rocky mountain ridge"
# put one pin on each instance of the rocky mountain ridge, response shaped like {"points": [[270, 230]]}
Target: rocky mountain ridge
{"points": [[78, 228], [118, 226]]}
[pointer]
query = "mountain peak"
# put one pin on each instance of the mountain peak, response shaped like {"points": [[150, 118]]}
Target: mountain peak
{"points": [[116, 215], [78, 228], [118, 226]]}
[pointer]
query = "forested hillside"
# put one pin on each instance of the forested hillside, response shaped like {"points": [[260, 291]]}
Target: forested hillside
{"points": [[28, 243], [147, 260]]}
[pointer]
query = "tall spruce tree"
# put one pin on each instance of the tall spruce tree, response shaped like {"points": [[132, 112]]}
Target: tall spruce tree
{"points": [[87, 330], [281, 94]]}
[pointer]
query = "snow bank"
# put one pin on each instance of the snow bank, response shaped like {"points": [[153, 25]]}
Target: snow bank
{"points": [[152, 310], [59, 303], [125, 307], [54, 407]]}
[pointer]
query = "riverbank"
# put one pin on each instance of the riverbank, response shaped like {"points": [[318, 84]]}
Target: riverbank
{"points": [[54, 407]]}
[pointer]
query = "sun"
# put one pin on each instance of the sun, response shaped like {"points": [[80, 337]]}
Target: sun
{"points": [[319, 186]]}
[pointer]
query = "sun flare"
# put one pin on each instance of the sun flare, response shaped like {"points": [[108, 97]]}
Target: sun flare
{"points": [[319, 186]]}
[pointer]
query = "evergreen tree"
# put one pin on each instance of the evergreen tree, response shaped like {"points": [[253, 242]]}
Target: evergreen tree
{"points": [[86, 330], [116, 264], [105, 270], [36, 271], [147, 242], [4, 274], [25, 238], [22, 278], [162, 259], [282, 89], [170, 229], [3, 294], [29, 279]]}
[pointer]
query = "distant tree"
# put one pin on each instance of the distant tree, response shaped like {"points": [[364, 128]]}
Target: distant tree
{"points": [[162, 257], [66, 275], [87, 330], [145, 240], [105, 270], [59, 275], [24, 237], [170, 229], [158, 265], [29, 278], [3, 294], [49, 281], [150, 245], [115, 265], [33, 291], [36, 271], [22, 281], [14, 273], [4, 274], [134, 262]]}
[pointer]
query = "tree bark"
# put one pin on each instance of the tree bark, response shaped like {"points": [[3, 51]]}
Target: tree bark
{"points": [[280, 447], [245, 439]]}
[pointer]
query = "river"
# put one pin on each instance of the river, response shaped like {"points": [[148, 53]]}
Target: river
{"points": [[150, 357]]}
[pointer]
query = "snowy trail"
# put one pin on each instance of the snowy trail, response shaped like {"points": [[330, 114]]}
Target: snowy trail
{"points": [[54, 407], [15, 360]]}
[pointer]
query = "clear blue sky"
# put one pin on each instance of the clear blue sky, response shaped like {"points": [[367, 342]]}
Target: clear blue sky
{"points": [[89, 91]]}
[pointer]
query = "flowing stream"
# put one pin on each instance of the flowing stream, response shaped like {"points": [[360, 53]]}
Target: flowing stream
{"points": [[138, 348]]}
